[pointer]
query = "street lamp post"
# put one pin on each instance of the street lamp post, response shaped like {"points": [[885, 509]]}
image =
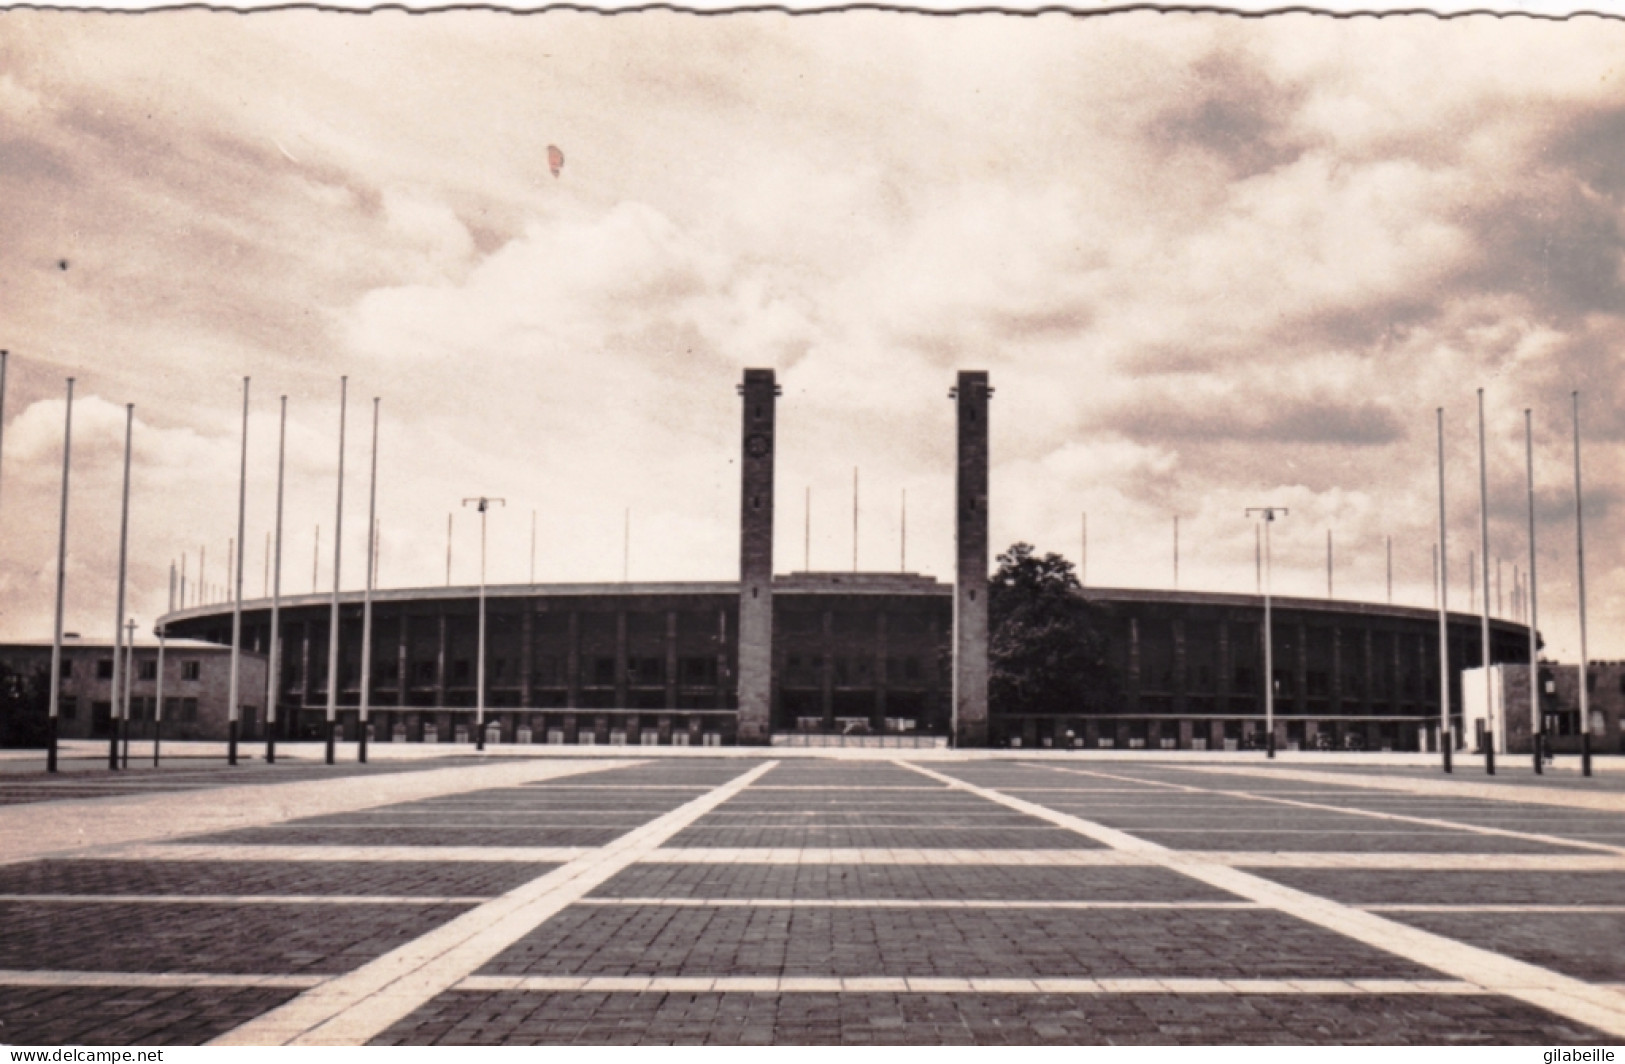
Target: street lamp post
{"points": [[483, 504], [1268, 513]]}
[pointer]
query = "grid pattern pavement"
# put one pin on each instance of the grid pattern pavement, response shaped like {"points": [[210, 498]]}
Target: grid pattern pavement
{"points": [[738, 900]]}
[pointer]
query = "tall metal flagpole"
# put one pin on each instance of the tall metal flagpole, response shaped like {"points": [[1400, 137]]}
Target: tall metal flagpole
{"points": [[1580, 557], [61, 585], [1484, 622], [158, 694], [1446, 739], [273, 665], [118, 618], [129, 683], [233, 698], [483, 504], [1536, 732], [366, 602], [333, 615], [1268, 513]]}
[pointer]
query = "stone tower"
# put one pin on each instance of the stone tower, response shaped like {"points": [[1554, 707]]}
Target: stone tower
{"points": [[756, 558], [971, 561]]}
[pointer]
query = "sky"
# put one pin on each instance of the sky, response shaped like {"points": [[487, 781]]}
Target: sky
{"points": [[1210, 263]]}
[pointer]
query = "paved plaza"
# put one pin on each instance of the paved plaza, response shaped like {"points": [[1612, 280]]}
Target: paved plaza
{"points": [[752, 897]]}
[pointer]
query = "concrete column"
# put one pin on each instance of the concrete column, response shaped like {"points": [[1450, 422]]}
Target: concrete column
{"points": [[878, 723], [971, 396], [1365, 670], [1182, 680], [1337, 669], [572, 663], [621, 662], [1300, 669], [722, 659], [826, 674], [442, 666], [304, 669], [403, 661], [1396, 696], [1134, 664], [755, 682], [671, 659], [527, 657]]}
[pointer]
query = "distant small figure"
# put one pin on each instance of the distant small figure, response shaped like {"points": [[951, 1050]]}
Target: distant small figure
{"points": [[555, 159], [62, 264]]}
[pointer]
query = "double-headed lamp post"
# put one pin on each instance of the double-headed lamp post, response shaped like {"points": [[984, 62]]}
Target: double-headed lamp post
{"points": [[482, 504], [1268, 513]]}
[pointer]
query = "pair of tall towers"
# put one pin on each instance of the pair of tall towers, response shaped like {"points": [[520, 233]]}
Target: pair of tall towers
{"points": [[760, 393]]}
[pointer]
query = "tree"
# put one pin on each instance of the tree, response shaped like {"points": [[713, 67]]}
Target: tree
{"points": [[1048, 650]]}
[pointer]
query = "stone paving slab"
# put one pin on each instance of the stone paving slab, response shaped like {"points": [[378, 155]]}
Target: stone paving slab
{"points": [[1589, 946], [1037, 837], [62, 828], [128, 1016], [265, 877], [301, 835], [587, 940], [213, 938], [907, 882], [517, 1018], [1489, 886], [1368, 841]]}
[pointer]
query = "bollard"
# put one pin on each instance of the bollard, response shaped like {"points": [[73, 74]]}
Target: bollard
{"points": [[1445, 744], [1489, 757], [1536, 742], [50, 748], [231, 743], [1270, 743], [157, 738], [1585, 752], [329, 742]]}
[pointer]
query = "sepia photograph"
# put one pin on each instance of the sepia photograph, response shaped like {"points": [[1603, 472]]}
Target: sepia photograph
{"points": [[796, 526]]}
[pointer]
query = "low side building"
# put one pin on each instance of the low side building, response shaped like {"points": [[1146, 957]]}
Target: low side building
{"points": [[1559, 706], [197, 677]]}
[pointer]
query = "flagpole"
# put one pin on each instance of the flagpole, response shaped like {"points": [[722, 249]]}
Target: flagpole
{"points": [[366, 603], [233, 698], [117, 720], [158, 695], [61, 585], [1484, 617], [1535, 730], [1580, 556], [273, 679], [1446, 739], [338, 551]]}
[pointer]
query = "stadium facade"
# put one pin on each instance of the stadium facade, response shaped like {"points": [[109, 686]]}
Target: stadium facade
{"points": [[772, 656]]}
